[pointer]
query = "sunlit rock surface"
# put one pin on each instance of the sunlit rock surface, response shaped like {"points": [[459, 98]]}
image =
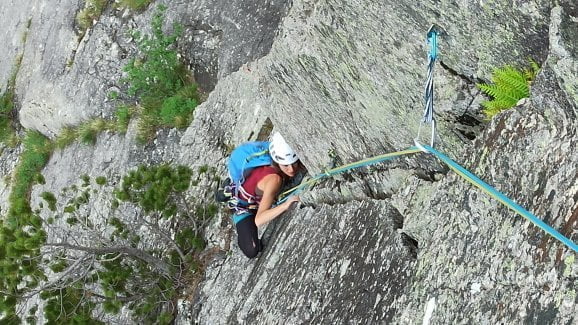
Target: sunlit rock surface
{"points": [[404, 242]]}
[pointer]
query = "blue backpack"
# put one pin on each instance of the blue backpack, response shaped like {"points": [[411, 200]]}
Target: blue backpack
{"points": [[244, 159]]}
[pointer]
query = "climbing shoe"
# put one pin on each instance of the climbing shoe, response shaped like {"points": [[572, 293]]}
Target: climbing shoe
{"points": [[224, 193]]}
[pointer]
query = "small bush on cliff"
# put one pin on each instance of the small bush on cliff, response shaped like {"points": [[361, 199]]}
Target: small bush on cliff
{"points": [[21, 231], [66, 137], [123, 114], [508, 86], [176, 111], [163, 84], [37, 150], [157, 72]]}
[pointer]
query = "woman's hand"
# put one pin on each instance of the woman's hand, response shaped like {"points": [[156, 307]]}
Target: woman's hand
{"points": [[271, 185], [290, 200]]}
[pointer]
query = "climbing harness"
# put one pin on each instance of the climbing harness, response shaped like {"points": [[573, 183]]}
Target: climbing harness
{"points": [[428, 118], [242, 161]]}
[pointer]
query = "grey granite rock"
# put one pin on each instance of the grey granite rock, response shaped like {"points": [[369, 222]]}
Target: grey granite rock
{"points": [[350, 266], [15, 15], [477, 261], [62, 71], [403, 242]]}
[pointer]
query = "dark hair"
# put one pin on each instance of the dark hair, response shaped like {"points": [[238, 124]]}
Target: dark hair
{"points": [[285, 176]]}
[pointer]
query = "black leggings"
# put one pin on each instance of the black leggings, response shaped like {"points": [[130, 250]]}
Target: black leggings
{"points": [[248, 237]]}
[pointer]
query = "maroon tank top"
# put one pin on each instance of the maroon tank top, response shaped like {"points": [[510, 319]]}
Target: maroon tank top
{"points": [[250, 184]]}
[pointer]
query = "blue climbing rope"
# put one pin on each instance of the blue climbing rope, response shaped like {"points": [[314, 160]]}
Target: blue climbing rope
{"points": [[461, 171], [473, 179], [341, 169], [428, 118]]}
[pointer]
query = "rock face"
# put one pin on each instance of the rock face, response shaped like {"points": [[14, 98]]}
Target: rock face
{"points": [[361, 267], [404, 242]]}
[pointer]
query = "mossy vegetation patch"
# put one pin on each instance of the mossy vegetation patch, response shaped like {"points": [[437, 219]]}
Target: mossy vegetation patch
{"points": [[9, 123], [90, 13]]}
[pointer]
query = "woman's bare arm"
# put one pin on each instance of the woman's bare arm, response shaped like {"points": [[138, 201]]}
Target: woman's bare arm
{"points": [[271, 184]]}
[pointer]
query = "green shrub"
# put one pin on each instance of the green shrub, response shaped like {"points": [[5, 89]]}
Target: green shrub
{"points": [[6, 103], [59, 265], [89, 130], [189, 240], [67, 306], [146, 128], [189, 91], [212, 210], [176, 111], [37, 149], [157, 72], [99, 125], [72, 221], [154, 188], [122, 118], [39, 179], [7, 117], [508, 86], [87, 134], [85, 180], [100, 180], [66, 137], [50, 199], [21, 233], [163, 84], [165, 318], [151, 105], [8, 110], [203, 169]]}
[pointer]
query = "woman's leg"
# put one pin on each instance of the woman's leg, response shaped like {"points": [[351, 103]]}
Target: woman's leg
{"points": [[248, 236]]}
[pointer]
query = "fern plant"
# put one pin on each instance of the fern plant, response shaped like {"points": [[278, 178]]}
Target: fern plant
{"points": [[508, 86]]}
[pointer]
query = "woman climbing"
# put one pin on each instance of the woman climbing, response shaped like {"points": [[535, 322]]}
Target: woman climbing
{"points": [[260, 189]]}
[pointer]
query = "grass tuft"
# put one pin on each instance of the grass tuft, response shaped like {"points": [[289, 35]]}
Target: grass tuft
{"points": [[87, 134]]}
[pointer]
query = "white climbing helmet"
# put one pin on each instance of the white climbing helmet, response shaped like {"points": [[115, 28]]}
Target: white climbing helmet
{"points": [[280, 150]]}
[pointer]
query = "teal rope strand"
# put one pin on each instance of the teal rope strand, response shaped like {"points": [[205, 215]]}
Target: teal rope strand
{"points": [[338, 170], [502, 198]]}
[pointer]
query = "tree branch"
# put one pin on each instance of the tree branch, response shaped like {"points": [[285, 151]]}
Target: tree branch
{"points": [[155, 228], [157, 263], [121, 299]]}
